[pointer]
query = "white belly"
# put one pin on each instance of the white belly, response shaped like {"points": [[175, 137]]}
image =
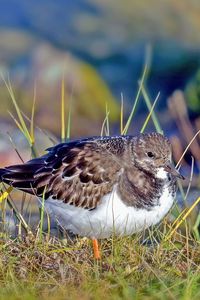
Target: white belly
{"points": [[112, 216]]}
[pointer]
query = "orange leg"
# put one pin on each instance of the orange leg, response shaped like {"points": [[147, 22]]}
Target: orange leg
{"points": [[96, 249]]}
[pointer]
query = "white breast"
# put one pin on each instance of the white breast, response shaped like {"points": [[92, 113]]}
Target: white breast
{"points": [[111, 216]]}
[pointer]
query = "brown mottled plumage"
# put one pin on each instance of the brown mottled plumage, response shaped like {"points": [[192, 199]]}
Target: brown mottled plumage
{"points": [[97, 186], [81, 172]]}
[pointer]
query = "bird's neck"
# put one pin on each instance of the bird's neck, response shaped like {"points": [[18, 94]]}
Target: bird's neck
{"points": [[140, 188]]}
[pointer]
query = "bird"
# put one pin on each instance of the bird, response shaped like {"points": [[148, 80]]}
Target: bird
{"points": [[99, 186]]}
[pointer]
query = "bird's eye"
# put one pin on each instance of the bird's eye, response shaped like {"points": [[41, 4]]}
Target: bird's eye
{"points": [[150, 154]]}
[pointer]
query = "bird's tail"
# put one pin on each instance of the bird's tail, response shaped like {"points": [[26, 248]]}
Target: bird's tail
{"points": [[2, 172], [21, 176]]}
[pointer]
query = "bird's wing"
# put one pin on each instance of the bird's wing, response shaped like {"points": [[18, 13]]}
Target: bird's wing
{"points": [[78, 173]]}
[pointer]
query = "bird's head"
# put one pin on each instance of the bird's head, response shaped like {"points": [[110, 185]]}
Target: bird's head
{"points": [[152, 153]]}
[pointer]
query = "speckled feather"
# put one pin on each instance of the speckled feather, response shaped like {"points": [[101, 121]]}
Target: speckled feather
{"points": [[78, 173], [81, 172]]}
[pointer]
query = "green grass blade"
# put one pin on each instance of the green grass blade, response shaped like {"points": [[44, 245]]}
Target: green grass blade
{"points": [[196, 228], [107, 120], [42, 215], [136, 100], [18, 215], [69, 117], [122, 114], [69, 123], [16, 122], [153, 115], [105, 124], [33, 115], [150, 114], [21, 119], [63, 131]]}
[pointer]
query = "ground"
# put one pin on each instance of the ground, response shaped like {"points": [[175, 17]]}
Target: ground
{"points": [[47, 268]]}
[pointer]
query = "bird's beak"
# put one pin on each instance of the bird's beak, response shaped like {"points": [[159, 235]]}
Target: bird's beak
{"points": [[170, 169]]}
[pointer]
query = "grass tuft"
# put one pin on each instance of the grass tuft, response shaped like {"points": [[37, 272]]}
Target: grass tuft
{"points": [[162, 263]]}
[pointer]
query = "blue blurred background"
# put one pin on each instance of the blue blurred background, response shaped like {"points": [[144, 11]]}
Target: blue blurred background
{"points": [[100, 48], [109, 35]]}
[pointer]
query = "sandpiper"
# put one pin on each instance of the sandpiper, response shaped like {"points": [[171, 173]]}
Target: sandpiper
{"points": [[98, 186]]}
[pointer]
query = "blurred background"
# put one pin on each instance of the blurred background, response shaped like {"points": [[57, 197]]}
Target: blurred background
{"points": [[100, 48]]}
